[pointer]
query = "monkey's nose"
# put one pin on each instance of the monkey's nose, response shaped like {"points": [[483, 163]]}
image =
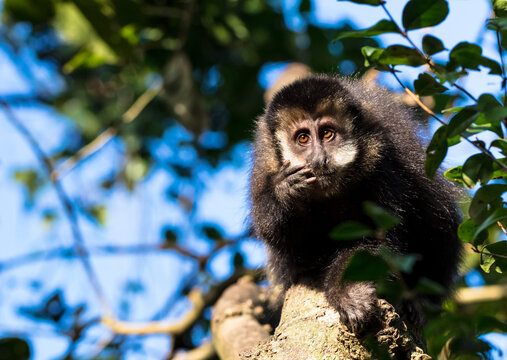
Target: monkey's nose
{"points": [[319, 161]]}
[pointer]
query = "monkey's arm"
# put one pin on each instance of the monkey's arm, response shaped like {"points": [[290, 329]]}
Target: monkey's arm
{"points": [[276, 200]]}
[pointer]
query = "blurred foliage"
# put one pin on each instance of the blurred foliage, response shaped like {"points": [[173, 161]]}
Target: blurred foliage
{"points": [[186, 72], [183, 73]]}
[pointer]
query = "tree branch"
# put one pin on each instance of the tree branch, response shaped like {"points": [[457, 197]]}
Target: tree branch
{"points": [[309, 329], [68, 208]]}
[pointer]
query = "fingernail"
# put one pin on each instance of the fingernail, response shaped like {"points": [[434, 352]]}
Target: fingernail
{"points": [[307, 171], [286, 162], [310, 180]]}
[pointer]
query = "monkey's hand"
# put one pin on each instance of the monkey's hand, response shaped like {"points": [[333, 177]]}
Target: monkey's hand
{"points": [[356, 303], [291, 182]]}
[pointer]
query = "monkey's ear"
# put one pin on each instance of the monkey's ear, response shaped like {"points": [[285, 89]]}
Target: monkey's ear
{"points": [[293, 72]]}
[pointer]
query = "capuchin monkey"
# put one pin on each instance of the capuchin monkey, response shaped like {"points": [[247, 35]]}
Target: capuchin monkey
{"points": [[323, 147]]}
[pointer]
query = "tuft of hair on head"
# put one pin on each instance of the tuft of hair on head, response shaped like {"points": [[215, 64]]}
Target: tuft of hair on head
{"points": [[293, 71]]}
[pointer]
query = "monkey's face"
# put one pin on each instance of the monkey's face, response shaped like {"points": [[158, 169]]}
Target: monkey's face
{"points": [[322, 145]]}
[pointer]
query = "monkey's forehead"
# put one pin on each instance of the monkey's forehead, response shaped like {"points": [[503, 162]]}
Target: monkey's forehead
{"points": [[311, 98], [334, 109]]}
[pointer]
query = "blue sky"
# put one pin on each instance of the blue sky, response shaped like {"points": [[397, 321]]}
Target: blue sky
{"points": [[137, 217]]}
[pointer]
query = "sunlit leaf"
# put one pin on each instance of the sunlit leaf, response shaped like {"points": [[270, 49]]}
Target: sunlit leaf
{"points": [[382, 27], [455, 174], [401, 55], [98, 213]]}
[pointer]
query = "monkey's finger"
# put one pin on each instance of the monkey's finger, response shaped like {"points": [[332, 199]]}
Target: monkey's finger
{"points": [[298, 177], [294, 169], [285, 165], [311, 180]]}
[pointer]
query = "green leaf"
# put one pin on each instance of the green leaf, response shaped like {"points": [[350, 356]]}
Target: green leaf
{"points": [[238, 260], [427, 85], [461, 121], [497, 24], [371, 55], [436, 151], [350, 230], [382, 27], [497, 215], [36, 12], [170, 235], [455, 174], [399, 262], [500, 8], [366, 2], [468, 348], [467, 230], [493, 112], [31, 180], [212, 232], [486, 261], [423, 13], [427, 286], [432, 45], [364, 266], [381, 217], [401, 55], [98, 213], [453, 109], [486, 199], [12, 348], [477, 168], [469, 56], [450, 76], [498, 251], [500, 144]]}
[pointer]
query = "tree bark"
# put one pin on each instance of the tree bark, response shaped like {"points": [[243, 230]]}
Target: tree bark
{"points": [[309, 329]]}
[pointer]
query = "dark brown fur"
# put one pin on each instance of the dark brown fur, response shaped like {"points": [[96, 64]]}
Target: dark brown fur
{"points": [[388, 170]]}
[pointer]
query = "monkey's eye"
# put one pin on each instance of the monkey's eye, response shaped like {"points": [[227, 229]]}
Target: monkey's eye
{"points": [[303, 138], [327, 134]]}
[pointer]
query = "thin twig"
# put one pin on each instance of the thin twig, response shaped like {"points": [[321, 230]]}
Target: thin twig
{"points": [[107, 135], [502, 227], [69, 210], [71, 252], [432, 114]]}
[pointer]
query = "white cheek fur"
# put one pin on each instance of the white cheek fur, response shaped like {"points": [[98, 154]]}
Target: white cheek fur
{"points": [[345, 154]]}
